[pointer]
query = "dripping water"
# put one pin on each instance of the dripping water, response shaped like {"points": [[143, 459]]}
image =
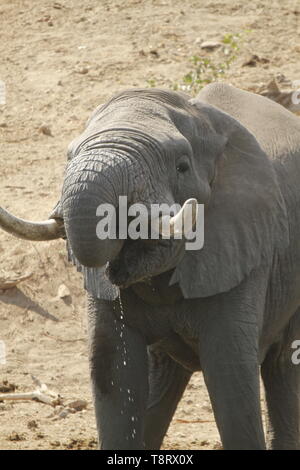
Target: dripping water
{"points": [[124, 363]]}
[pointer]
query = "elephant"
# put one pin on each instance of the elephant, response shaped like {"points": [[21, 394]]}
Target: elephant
{"points": [[158, 312]]}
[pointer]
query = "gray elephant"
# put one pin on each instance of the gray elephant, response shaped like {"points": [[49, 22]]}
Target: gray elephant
{"points": [[229, 309]]}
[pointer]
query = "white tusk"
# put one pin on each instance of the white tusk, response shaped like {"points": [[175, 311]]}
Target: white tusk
{"points": [[35, 231], [181, 223]]}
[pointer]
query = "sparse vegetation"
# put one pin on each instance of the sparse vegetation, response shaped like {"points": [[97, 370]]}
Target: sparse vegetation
{"points": [[206, 70], [151, 83]]}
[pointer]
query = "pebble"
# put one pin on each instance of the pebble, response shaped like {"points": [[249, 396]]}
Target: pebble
{"points": [[210, 45], [46, 130], [63, 291]]}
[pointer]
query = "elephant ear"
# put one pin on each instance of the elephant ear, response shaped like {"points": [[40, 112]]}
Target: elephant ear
{"points": [[245, 219]]}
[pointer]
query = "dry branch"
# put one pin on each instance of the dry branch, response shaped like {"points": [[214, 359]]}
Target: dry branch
{"points": [[8, 281], [41, 393]]}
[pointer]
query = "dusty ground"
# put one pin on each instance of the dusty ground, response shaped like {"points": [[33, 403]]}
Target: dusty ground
{"points": [[59, 60]]}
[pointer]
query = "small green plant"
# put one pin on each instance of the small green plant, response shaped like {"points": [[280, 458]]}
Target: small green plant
{"points": [[206, 70], [151, 82], [232, 41]]}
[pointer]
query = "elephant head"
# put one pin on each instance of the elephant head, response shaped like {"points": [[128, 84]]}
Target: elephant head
{"points": [[158, 146]]}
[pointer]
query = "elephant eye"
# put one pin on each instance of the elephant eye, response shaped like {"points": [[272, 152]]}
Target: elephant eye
{"points": [[182, 167]]}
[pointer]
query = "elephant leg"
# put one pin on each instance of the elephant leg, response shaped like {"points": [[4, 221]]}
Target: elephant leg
{"points": [[281, 379], [229, 361], [119, 374], [167, 382]]}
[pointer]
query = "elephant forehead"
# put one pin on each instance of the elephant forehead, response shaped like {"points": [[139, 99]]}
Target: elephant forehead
{"points": [[165, 115], [135, 142], [144, 117], [137, 112], [130, 137], [159, 96], [152, 107]]}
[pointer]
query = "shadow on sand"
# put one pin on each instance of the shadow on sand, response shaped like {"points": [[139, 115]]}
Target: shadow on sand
{"points": [[16, 297]]}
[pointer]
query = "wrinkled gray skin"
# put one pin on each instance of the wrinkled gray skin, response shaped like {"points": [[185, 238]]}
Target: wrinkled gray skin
{"points": [[229, 309]]}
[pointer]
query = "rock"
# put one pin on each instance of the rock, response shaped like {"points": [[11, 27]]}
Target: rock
{"points": [[204, 443], [6, 387], [32, 424], [210, 45], [80, 20], [14, 436], [83, 71], [63, 414], [154, 53], [253, 60], [45, 129], [55, 444], [283, 97], [78, 405], [63, 292]]}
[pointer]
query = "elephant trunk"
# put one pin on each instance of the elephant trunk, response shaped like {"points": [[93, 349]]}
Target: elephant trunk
{"points": [[90, 181]]}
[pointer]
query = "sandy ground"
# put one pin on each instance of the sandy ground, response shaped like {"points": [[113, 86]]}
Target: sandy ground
{"points": [[59, 60]]}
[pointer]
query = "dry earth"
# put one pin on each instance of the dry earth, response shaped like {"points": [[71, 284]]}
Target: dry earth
{"points": [[58, 61]]}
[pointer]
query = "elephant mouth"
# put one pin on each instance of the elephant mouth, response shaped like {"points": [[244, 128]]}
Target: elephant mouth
{"points": [[138, 261]]}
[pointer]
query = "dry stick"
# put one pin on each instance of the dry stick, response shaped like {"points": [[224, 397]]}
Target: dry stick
{"points": [[35, 395], [42, 394]]}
